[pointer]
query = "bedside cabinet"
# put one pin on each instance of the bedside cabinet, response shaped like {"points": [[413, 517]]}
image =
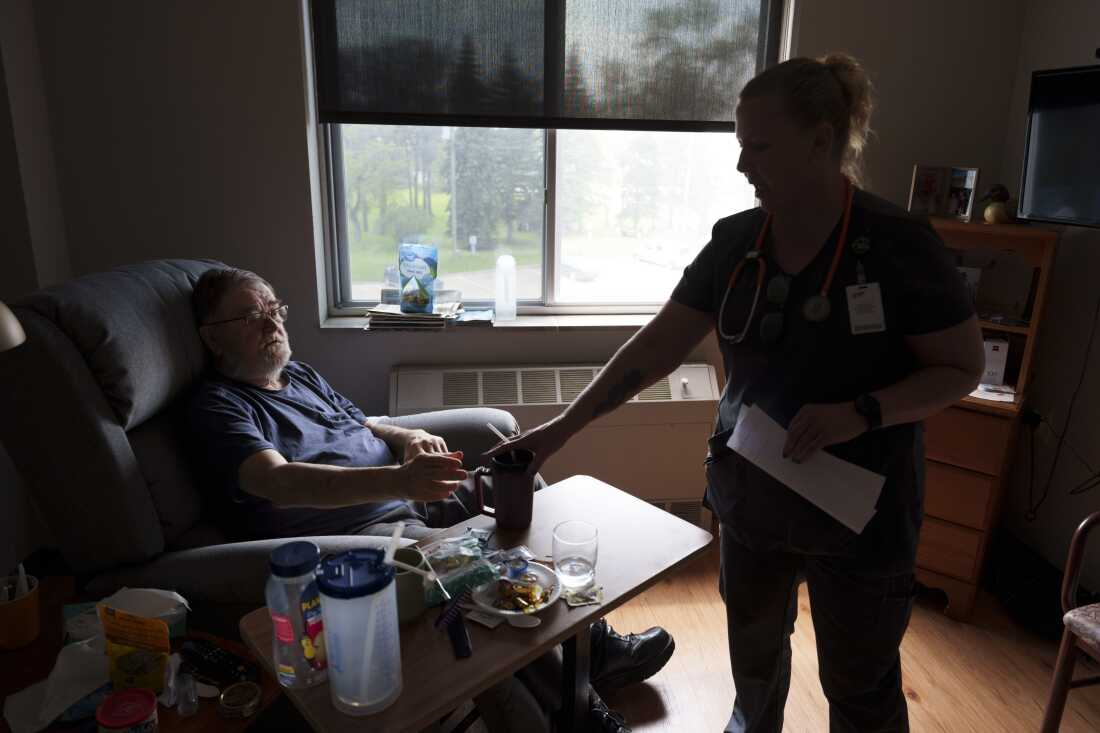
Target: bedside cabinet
{"points": [[968, 446]]}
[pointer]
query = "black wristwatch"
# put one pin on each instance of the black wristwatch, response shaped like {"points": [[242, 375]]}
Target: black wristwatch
{"points": [[869, 407]]}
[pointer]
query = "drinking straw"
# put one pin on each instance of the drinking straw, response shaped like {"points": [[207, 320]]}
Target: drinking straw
{"points": [[389, 559], [21, 588]]}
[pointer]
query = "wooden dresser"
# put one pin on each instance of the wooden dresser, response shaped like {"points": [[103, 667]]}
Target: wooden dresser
{"points": [[969, 446]]}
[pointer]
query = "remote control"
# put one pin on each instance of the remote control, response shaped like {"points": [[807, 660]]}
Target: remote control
{"points": [[212, 665]]}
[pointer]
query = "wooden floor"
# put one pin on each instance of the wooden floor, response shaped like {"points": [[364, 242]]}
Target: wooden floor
{"points": [[987, 676]]}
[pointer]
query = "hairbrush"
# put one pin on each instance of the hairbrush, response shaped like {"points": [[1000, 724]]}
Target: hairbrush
{"points": [[450, 618]]}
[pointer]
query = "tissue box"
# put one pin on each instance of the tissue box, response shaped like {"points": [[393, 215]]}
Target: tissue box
{"points": [[137, 647], [418, 266], [996, 357]]}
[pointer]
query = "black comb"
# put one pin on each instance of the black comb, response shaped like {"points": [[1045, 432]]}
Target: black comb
{"points": [[450, 618]]}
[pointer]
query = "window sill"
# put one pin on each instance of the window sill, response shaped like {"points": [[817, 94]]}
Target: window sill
{"points": [[587, 321]]}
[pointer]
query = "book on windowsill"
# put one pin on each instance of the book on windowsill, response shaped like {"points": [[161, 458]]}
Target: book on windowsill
{"points": [[387, 316]]}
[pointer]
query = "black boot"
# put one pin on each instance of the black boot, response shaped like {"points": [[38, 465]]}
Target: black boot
{"points": [[618, 661], [603, 720]]}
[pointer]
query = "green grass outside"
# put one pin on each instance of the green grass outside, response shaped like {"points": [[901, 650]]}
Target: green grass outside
{"points": [[371, 253]]}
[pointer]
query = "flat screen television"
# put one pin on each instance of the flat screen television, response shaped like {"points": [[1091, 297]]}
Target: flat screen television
{"points": [[1061, 176]]}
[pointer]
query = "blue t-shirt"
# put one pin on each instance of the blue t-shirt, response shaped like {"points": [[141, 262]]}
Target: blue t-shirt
{"points": [[307, 421]]}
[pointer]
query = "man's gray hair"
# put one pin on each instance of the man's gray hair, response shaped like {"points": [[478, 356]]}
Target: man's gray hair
{"points": [[214, 284]]}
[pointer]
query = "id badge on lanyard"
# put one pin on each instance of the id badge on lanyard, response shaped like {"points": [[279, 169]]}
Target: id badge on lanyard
{"points": [[865, 309]]}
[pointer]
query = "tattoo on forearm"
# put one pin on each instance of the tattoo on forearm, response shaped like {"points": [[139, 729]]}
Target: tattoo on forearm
{"points": [[620, 393]]}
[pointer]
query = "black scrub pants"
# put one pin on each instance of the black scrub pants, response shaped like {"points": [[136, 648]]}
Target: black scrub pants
{"points": [[859, 619]]}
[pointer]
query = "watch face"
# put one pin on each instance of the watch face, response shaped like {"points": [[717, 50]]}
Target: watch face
{"points": [[868, 406]]}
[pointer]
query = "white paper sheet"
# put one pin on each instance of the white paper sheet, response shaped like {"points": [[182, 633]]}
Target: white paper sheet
{"points": [[842, 490]]}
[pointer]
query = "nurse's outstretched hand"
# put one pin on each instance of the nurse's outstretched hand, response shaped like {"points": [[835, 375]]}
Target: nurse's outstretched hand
{"points": [[820, 425], [543, 441]]}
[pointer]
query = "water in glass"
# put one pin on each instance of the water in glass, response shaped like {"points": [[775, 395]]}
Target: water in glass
{"points": [[576, 571]]}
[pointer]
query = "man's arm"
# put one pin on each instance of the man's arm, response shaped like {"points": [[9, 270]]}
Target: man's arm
{"points": [[659, 347], [427, 477], [406, 444]]}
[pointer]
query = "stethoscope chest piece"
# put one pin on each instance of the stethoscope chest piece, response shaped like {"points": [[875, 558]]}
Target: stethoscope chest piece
{"points": [[816, 309]]}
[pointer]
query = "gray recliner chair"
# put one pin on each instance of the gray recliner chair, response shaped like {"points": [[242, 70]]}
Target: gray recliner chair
{"points": [[89, 413]]}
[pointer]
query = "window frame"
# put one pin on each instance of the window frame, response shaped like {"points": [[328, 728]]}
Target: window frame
{"points": [[776, 28]]}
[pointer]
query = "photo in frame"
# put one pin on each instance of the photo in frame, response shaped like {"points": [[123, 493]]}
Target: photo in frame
{"points": [[948, 191], [928, 189], [962, 187]]}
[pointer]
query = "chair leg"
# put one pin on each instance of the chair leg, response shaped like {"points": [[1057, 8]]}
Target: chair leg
{"points": [[1059, 686]]}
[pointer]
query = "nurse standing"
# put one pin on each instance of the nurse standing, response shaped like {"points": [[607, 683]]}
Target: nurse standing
{"points": [[843, 319]]}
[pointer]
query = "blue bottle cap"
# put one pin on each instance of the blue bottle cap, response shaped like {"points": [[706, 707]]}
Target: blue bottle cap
{"points": [[294, 559], [354, 574]]}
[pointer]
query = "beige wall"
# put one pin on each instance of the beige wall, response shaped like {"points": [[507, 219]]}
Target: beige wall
{"points": [[943, 71], [41, 252], [1059, 33]]}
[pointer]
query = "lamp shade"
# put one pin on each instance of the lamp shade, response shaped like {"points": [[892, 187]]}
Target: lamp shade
{"points": [[11, 332]]}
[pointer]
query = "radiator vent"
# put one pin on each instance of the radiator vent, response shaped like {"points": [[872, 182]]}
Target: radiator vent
{"points": [[659, 391], [573, 382], [691, 511], [539, 386], [434, 388], [500, 387], [460, 388]]}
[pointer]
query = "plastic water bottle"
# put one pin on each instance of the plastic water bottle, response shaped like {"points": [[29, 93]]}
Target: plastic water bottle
{"points": [[295, 607], [505, 306]]}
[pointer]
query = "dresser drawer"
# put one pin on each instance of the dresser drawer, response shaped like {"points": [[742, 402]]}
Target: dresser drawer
{"points": [[968, 439], [949, 549], [957, 495]]}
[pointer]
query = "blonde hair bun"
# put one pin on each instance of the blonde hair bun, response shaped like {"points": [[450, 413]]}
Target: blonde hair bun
{"points": [[858, 93]]}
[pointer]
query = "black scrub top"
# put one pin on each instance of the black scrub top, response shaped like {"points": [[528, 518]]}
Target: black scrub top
{"points": [[922, 292]]}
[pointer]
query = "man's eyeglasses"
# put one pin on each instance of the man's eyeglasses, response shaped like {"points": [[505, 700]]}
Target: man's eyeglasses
{"points": [[277, 314]]}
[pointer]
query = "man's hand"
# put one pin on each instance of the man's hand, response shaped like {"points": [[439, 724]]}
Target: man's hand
{"points": [[421, 441], [430, 476], [543, 441], [817, 426]]}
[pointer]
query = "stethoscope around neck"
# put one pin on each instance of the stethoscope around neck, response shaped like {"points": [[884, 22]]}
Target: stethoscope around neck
{"points": [[816, 308]]}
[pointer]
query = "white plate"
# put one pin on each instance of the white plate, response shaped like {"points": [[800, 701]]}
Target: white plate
{"points": [[483, 596]]}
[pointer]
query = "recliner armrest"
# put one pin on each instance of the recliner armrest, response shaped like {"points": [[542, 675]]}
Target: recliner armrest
{"points": [[463, 429]]}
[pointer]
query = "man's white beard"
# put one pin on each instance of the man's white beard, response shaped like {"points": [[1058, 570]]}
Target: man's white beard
{"points": [[265, 368]]}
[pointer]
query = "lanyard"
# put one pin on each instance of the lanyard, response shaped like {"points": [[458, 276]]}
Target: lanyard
{"points": [[817, 307]]}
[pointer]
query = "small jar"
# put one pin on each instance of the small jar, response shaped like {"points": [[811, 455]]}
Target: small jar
{"points": [[128, 711]]}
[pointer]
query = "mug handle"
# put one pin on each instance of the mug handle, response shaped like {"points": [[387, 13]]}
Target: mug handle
{"points": [[480, 494]]}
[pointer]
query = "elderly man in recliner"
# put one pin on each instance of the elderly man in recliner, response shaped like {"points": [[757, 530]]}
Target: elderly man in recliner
{"points": [[290, 457]]}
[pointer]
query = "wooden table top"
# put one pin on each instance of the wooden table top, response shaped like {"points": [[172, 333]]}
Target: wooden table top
{"points": [[639, 544]]}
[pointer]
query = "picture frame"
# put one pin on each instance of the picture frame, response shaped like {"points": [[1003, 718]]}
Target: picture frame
{"points": [[948, 191], [962, 190], [927, 190]]}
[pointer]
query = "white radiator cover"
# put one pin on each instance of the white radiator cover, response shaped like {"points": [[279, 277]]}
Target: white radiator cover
{"points": [[652, 447]]}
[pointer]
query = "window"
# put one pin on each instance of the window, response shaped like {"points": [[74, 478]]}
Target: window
{"points": [[590, 140], [629, 208]]}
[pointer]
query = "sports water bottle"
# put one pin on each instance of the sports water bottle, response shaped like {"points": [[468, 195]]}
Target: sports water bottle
{"points": [[295, 607]]}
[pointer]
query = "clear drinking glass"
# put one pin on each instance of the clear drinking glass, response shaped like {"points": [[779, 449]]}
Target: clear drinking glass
{"points": [[576, 546]]}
